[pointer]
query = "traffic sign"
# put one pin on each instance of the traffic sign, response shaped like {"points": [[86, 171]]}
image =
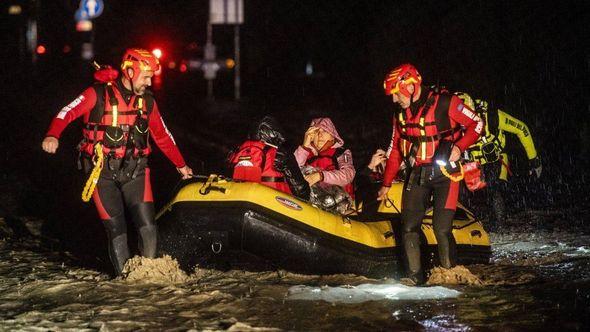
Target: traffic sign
{"points": [[89, 9], [226, 11]]}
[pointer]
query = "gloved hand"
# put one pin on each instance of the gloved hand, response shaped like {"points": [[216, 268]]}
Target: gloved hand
{"points": [[535, 167]]}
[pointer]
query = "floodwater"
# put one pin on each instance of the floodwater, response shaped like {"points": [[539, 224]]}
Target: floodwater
{"points": [[536, 281]]}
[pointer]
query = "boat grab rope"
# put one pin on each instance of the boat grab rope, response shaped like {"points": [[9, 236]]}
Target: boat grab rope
{"points": [[208, 185], [95, 174]]}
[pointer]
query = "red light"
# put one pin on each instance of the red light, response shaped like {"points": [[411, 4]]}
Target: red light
{"points": [[41, 49], [183, 68], [67, 49], [157, 52]]}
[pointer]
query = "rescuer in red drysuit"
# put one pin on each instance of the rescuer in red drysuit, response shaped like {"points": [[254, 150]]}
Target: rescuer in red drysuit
{"points": [[432, 129], [119, 116]]}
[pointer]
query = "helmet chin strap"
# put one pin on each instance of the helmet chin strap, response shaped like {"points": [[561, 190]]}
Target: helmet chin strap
{"points": [[131, 79], [412, 99]]}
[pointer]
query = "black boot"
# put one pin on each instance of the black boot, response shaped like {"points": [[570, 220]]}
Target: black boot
{"points": [[116, 229]]}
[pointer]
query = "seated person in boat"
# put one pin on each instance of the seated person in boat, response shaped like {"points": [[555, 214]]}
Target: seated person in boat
{"points": [[262, 158], [326, 164]]}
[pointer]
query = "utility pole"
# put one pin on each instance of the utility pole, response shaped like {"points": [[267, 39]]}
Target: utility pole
{"points": [[209, 56], [229, 12]]}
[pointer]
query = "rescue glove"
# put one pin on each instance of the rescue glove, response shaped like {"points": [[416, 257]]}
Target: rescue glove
{"points": [[535, 167]]}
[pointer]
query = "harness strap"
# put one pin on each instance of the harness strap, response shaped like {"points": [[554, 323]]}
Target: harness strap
{"points": [[417, 125], [114, 103], [102, 127], [272, 179], [437, 137]]}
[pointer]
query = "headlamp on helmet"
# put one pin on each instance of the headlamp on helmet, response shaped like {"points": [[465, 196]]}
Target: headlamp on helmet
{"points": [[400, 78]]}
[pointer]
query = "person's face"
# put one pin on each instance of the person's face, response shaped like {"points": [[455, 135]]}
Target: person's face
{"points": [[323, 139], [402, 100], [142, 82]]}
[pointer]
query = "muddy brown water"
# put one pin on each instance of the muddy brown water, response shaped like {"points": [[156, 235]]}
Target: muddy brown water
{"points": [[536, 281]]}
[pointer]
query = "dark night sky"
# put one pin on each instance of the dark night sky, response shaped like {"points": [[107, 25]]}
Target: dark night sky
{"points": [[530, 58]]}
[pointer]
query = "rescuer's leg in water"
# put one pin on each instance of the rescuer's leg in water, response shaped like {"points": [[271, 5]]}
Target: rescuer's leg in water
{"points": [[496, 210], [139, 200], [445, 201], [143, 218], [109, 204], [414, 204], [116, 229]]}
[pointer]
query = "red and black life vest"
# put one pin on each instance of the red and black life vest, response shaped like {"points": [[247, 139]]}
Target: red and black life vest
{"points": [[420, 133], [328, 161], [120, 125], [254, 161]]}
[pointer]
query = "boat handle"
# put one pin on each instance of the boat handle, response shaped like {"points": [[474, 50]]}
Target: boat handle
{"points": [[475, 232], [213, 247]]}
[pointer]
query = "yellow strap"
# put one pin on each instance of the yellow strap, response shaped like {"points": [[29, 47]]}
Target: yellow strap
{"points": [[93, 179], [402, 122], [452, 177], [115, 109], [423, 134]]}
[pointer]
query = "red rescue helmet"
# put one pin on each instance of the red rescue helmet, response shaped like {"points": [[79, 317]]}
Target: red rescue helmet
{"points": [[139, 60], [398, 80]]}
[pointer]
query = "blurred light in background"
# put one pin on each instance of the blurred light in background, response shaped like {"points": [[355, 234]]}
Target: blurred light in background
{"points": [[15, 10], [230, 63], [171, 65], [183, 68], [41, 49], [84, 25], [157, 53], [67, 49]]}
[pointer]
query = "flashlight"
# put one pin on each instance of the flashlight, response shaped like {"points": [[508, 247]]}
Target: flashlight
{"points": [[443, 152]]}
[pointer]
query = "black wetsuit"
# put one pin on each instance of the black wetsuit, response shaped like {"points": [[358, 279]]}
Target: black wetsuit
{"points": [[127, 187], [423, 183]]}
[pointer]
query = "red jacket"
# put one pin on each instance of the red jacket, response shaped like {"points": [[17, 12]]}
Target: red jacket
{"points": [[254, 161], [83, 105], [426, 128]]}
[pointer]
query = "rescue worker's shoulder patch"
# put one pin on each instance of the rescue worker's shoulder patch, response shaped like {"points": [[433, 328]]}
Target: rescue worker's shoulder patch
{"points": [[467, 112]]}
